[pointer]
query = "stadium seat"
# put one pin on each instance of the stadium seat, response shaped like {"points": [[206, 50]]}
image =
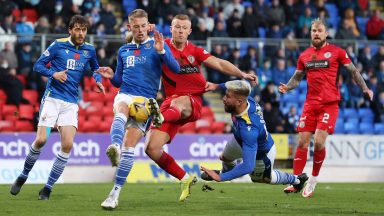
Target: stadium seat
{"points": [[89, 126], [109, 97], [333, 12], [206, 112], [247, 4], [7, 126], [95, 107], [339, 128], [366, 115], [31, 95], [189, 128], [3, 96], [92, 96], [366, 128], [31, 14], [350, 128], [26, 111], [24, 125], [9, 110], [350, 112], [352, 120], [107, 111], [16, 13], [362, 23], [218, 127], [379, 128], [22, 79], [262, 32], [204, 126]]}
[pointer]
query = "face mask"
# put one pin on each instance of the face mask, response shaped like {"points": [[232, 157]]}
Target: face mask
{"points": [[4, 65]]}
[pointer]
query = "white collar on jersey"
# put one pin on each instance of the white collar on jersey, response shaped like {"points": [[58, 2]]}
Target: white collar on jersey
{"points": [[245, 111], [69, 39], [133, 41]]}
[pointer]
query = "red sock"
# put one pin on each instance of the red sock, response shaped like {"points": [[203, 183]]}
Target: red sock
{"points": [[172, 114], [318, 158], [300, 160], [167, 163]]}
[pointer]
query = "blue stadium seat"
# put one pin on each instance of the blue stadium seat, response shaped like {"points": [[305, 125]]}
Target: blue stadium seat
{"points": [[366, 128], [362, 23], [379, 128], [302, 97], [167, 31], [366, 115], [339, 128], [289, 98], [351, 120], [333, 12], [262, 32], [350, 128], [350, 112], [247, 4], [303, 87], [341, 114]]}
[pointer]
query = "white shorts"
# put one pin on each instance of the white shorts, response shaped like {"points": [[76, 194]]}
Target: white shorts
{"points": [[57, 112], [127, 99], [264, 162]]}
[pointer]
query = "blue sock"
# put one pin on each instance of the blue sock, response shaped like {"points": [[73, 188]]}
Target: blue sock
{"points": [[278, 177], [125, 166], [30, 160], [57, 169], [118, 128]]}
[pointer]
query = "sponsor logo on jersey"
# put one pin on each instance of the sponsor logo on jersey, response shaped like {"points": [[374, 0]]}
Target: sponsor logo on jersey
{"points": [[188, 69], [46, 53], [327, 55], [317, 64]]}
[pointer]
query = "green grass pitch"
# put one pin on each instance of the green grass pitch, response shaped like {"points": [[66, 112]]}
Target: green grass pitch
{"points": [[227, 199]]}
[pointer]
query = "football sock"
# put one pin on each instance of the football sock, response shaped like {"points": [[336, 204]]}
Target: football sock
{"points": [[118, 128], [278, 177], [300, 160], [57, 169], [30, 160], [125, 166], [227, 166], [167, 163], [171, 114], [318, 158]]}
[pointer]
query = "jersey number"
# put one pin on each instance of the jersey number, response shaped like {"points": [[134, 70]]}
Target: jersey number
{"points": [[71, 64], [130, 61], [325, 118]]}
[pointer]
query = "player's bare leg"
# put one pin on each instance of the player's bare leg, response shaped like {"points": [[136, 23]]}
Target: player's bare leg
{"points": [[300, 158], [318, 158]]}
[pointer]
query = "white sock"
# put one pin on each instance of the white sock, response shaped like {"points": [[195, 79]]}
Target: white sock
{"points": [[115, 192]]}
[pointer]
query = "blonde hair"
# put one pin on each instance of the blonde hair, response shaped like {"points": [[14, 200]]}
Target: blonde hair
{"points": [[138, 13], [318, 22], [239, 87]]}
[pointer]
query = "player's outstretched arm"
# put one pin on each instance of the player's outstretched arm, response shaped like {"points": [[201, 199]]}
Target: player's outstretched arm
{"points": [[106, 72], [228, 68], [292, 83], [356, 76]]}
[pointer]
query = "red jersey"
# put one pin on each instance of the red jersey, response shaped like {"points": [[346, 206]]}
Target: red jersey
{"points": [[190, 80], [322, 67]]}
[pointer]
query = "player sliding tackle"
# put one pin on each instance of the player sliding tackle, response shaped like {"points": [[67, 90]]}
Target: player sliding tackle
{"points": [[252, 142], [137, 74]]}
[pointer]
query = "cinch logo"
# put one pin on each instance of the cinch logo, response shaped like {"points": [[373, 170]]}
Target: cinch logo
{"points": [[81, 149], [17, 148], [206, 149]]}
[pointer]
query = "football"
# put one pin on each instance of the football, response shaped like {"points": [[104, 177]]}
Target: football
{"points": [[139, 109]]}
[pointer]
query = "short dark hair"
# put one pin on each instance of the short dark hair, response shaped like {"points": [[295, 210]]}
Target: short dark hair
{"points": [[82, 21]]}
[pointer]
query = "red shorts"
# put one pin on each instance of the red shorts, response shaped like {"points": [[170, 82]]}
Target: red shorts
{"points": [[171, 128], [318, 116]]}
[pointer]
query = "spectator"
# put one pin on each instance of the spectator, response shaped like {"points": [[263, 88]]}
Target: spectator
{"points": [[43, 26], [219, 30], [380, 72], [378, 57], [59, 26], [375, 26], [275, 32], [24, 57], [273, 119], [108, 18], [305, 20], [7, 25], [365, 57], [275, 14], [235, 58], [280, 73], [378, 107], [231, 7], [292, 119], [25, 28], [208, 21], [348, 28], [351, 54], [249, 60], [95, 14], [213, 75], [260, 9], [9, 55], [165, 13], [292, 49], [250, 23], [201, 33], [265, 74], [344, 92], [270, 95], [356, 100], [292, 12], [234, 25], [12, 87], [308, 4]]}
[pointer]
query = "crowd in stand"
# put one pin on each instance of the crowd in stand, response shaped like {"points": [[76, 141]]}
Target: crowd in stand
{"points": [[287, 20]]}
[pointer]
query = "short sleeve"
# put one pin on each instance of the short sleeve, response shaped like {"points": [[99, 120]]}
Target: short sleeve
{"points": [[343, 57]]}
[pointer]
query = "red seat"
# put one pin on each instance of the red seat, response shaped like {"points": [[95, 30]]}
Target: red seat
{"points": [[96, 106], [107, 111], [80, 122], [31, 95], [9, 110], [7, 126], [3, 96], [206, 112], [109, 97], [189, 128], [24, 125], [22, 78], [204, 126], [91, 127], [16, 13], [218, 127], [26, 112], [31, 15]]}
